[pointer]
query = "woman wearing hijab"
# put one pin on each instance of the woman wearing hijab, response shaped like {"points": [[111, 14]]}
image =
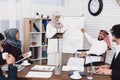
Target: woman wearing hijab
{"points": [[10, 60], [12, 44], [53, 27]]}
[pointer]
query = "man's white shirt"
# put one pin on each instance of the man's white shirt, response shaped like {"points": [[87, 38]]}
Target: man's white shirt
{"points": [[97, 48]]}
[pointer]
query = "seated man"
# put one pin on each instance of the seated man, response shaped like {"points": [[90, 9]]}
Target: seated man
{"points": [[98, 48], [114, 69], [12, 70]]}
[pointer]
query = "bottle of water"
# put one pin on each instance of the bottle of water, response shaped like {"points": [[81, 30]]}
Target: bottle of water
{"points": [[57, 70]]}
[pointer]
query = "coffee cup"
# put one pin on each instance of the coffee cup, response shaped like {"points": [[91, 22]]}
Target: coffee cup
{"points": [[76, 73], [4, 55], [29, 53], [25, 62]]}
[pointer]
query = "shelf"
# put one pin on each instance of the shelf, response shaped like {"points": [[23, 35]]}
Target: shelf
{"points": [[44, 45], [44, 58], [35, 59], [34, 32], [35, 45], [35, 38], [43, 32]]}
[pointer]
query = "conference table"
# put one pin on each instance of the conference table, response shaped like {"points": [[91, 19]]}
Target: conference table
{"points": [[63, 76]]}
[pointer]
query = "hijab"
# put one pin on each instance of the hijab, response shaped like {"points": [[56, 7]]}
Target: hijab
{"points": [[11, 38], [54, 23]]}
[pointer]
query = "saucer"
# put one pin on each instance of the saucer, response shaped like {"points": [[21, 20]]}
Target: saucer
{"points": [[75, 77], [25, 64]]}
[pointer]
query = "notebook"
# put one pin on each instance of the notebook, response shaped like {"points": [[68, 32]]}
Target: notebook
{"points": [[19, 67]]}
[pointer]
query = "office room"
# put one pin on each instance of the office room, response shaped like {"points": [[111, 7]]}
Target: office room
{"points": [[59, 39]]}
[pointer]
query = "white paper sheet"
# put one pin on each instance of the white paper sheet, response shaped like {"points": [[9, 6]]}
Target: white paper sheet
{"points": [[43, 68], [74, 63], [39, 74], [76, 68], [73, 37]]}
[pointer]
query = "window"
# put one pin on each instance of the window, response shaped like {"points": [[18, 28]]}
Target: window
{"points": [[4, 0], [49, 2], [4, 24]]}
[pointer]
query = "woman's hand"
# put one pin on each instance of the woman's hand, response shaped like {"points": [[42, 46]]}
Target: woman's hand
{"points": [[10, 59], [25, 55]]}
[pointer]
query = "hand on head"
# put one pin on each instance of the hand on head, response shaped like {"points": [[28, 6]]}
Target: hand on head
{"points": [[10, 59]]}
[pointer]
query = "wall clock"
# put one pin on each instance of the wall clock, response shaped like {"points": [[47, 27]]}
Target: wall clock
{"points": [[118, 1], [95, 7]]}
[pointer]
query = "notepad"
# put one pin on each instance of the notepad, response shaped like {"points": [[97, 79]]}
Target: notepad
{"points": [[19, 67], [43, 68], [33, 74]]}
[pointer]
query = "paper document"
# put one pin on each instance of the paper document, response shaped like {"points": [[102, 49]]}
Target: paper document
{"points": [[43, 68], [74, 63], [68, 68], [39, 74], [90, 59]]}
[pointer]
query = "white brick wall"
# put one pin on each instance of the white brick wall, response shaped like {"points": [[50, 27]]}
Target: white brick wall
{"points": [[109, 16]]}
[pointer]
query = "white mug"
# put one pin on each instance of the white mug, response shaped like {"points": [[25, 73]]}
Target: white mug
{"points": [[4, 55], [76, 73], [25, 62], [29, 53]]}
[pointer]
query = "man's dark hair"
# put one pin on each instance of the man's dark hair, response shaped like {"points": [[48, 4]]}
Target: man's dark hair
{"points": [[116, 30], [1, 36]]}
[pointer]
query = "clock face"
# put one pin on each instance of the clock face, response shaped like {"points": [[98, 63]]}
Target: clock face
{"points": [[118, 1], [95, 7]]}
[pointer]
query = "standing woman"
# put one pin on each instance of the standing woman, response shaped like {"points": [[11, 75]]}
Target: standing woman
{"points": [[54, 26], [12, 44]]}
